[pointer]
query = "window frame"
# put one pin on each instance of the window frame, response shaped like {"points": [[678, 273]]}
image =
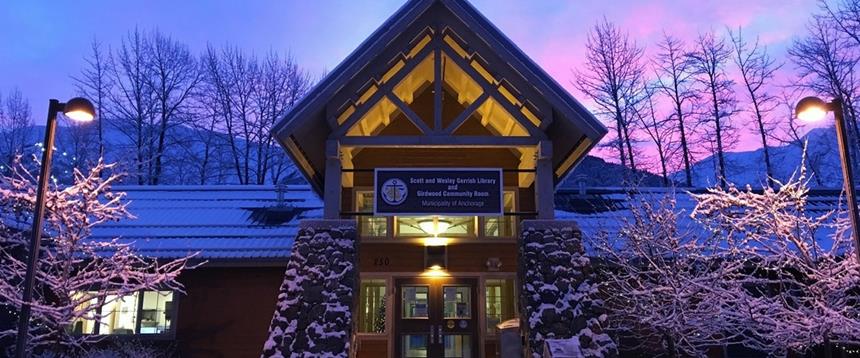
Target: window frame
{"points": [[483, 297], [392, 231], [169, 333]]}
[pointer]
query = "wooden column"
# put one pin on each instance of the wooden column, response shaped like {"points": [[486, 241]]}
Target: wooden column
{"points": [[333, 187], [544, 188]]}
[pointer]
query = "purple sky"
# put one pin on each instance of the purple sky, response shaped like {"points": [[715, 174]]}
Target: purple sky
{"points": [[42, 45]]}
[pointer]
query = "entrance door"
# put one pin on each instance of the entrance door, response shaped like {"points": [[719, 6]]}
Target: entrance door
{"points": [[436, 317]]}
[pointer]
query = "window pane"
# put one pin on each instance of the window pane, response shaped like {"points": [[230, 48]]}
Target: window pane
{"points": [[369, 226], [371, 314], [88, 304], [414, 345], [415, 301], [458, 226], [501, 302], [458, 301], [458, 346], [502, 226], [156, 315], [119, 315]]}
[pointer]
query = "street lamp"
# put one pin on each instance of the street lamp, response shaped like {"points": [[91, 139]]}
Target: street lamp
{"points": [[77, 109], [813, 109]]}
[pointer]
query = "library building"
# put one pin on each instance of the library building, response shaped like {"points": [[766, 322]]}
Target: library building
{"points": [[427, 228], [437, 138]]}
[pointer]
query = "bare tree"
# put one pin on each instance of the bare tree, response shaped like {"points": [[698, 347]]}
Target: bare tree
{"points": [[76, 274], [247, 96], [674, 79], [708, 62], [133, 102], [95, 83], [613, 77], [15, 125], [281, 84], [173, 76], [757, 71], [846, 15], [796, 291], [657, 284], [827, 65], [661, 130]]}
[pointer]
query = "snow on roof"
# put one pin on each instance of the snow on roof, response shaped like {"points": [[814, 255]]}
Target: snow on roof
{"points": [[606, 210], [233, 222], [222, 222]]}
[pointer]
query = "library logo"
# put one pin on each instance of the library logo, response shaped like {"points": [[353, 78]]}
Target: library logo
{"points": [[394, 191]]}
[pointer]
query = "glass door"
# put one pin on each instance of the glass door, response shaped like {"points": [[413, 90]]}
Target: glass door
{"points": [[436, 317]]}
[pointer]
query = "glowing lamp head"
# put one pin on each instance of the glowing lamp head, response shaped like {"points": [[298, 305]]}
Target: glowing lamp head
{"points": [[811, 109], [80, 110], [434, 227]]}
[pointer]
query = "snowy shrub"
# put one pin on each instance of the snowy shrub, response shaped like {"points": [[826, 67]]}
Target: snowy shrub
{"points": [[754, 268], [76, 275]]}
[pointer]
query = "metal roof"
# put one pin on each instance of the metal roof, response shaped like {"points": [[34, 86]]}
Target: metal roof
{"points": [[249, 224], [221, 222]]}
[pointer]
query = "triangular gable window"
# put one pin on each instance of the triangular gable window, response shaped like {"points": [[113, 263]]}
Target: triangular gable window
{"points": [[473, 102]]}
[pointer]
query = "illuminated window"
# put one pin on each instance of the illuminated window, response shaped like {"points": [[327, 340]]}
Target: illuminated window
{"points": [[86, 302], [415, 300], [502, 226], [156, 314], [458, 226], [119, 315], [501, 302], [368, 225], [145, 312], [371, 314]]}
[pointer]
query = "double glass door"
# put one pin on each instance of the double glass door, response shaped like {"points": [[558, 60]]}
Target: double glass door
{"points": [[436, 317]]}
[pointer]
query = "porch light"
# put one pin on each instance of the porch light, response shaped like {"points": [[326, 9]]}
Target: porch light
{"points": [[434, 227], [435, 257]]}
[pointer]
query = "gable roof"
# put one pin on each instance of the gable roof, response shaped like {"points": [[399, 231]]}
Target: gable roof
{"points": [[304, 130]]}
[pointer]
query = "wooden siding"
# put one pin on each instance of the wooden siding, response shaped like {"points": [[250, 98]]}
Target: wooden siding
{"points": [[462, 257], [227, 311]]}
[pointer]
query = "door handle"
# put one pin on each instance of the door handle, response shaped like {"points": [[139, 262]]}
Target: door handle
{"points": [[439, 334], [432, 335]]}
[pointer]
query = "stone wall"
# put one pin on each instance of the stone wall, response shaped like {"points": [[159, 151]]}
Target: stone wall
{"points": [[558, 300], [313, 316]]}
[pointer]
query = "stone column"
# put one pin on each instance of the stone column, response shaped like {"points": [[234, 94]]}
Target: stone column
{"points": [[314, 313], [558, 299]]}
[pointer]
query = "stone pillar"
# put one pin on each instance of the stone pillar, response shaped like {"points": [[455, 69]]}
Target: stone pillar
{"points": [[313, 316], [558, 299]]}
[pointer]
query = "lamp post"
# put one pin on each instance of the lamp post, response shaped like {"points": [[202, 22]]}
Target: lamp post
{"points": [[78, 109], [815, 109]]}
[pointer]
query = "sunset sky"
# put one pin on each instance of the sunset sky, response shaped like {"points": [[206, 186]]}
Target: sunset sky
{"points": [[43, 43]]}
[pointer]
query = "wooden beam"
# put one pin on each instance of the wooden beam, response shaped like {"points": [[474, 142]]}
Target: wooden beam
{"points": [[333, 188], [437, 83], [439, 141], [477, 45], [463, 116], [544, 179], [494, 92], [382, 91], [409, 113]]}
